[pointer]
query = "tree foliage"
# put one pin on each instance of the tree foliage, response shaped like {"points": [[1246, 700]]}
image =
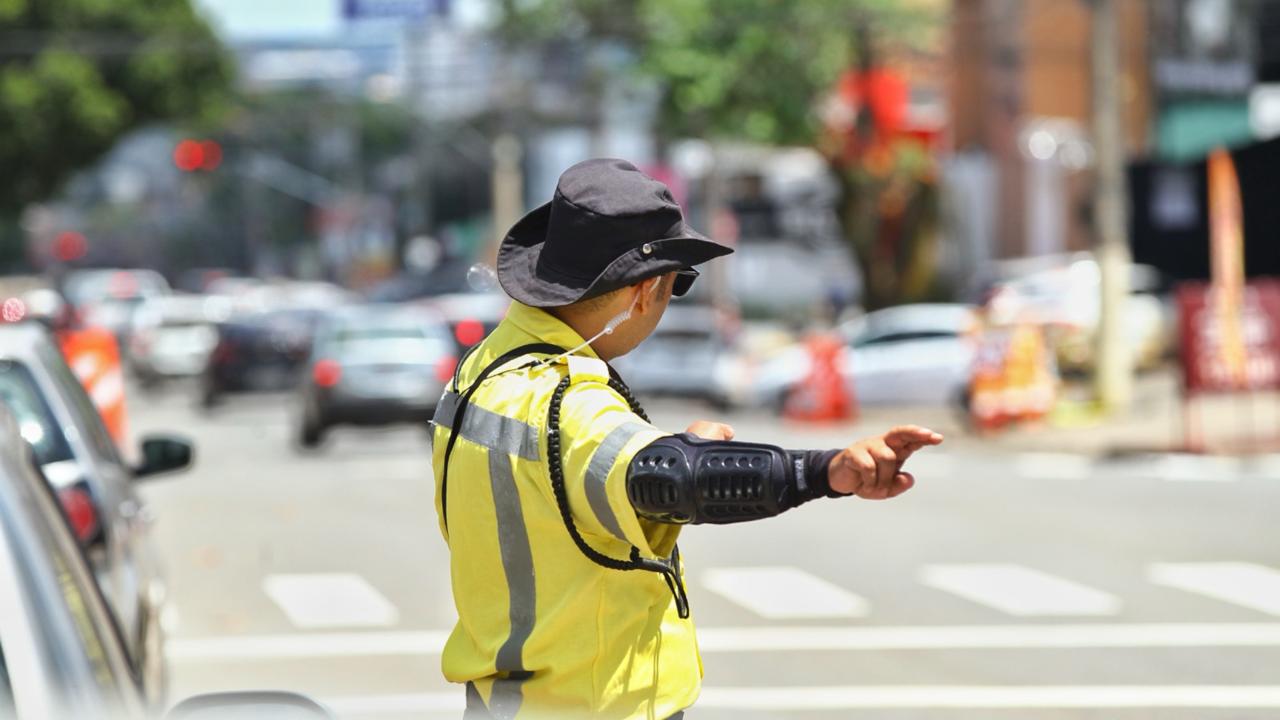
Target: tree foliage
{"points": [[758, 71], [75, 75], [739, 69]]}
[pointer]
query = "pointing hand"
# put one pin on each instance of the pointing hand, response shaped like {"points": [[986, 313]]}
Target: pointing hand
{"points": [[872, 468]]}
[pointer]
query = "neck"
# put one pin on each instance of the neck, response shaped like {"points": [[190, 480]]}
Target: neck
{"points": [[587, 325]]}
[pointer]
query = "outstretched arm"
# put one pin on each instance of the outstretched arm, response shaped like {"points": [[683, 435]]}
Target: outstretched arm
{"points": [[688, 479]]}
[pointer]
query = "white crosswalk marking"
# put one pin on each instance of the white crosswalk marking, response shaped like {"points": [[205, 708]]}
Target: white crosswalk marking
{"points": [[784, 699], [1052, 466], [1256, 587], [783, 592], [1019, 590], [1182, 467], [330, 600], [768, 638]]}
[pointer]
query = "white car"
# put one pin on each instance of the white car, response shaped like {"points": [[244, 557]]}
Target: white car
{"points": [[172, 336], [1065, 299], [690, 354], [907, 355]]}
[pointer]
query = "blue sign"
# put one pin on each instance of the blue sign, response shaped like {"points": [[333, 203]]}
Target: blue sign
{"points": [[407, 9]]}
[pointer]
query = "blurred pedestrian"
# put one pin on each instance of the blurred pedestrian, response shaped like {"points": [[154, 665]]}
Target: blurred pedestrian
{"points": [[561, 503]]}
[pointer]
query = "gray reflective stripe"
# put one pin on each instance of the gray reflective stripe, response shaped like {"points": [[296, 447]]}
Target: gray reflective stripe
{"points": [[505, 698], [517, 563], [602, 462], [488, 428]]}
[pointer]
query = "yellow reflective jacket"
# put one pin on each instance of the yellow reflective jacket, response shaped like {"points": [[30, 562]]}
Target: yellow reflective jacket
{"points": [[542, 630]]}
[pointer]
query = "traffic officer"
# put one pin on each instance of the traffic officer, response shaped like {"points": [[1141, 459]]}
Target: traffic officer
{"points": [[561, 503]]}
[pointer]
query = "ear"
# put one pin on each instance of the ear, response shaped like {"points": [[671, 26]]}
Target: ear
{"points": [[648, 293]]}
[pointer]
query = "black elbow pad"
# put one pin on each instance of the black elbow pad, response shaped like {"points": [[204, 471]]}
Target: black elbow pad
{"points": [[677, 480]]}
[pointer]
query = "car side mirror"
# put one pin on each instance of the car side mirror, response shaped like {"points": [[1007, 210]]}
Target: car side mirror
{"points": [[162, 454], [266, 704]]}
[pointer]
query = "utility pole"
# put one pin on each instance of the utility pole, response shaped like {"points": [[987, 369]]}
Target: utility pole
{"points": [[1114, 367], [507, 190]]}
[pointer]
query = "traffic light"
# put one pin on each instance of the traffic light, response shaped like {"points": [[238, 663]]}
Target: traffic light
{"points": [[192, 155], [70, 245]]}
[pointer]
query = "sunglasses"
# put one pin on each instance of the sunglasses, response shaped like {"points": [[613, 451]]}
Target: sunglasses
{"points": [[684, 281]]}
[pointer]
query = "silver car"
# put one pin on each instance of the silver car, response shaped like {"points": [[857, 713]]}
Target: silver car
{"points": [[376, 365], [172, 336], [62, 654], [77, 455], [907, 355], [690, 354]]}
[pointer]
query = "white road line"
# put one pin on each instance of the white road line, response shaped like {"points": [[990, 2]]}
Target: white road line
{"points": [[979, 637], [889, 696], [1256, 587], [1264, 466], [1182, 467], [330, 600], [1019, 590], [307, 645], [407, 703], [1052, 466], [991, 696], [783, 592], [765, 639]]}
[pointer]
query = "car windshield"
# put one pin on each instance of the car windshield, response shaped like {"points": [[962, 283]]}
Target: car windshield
{"points": [[404, 342], [36, 423]]}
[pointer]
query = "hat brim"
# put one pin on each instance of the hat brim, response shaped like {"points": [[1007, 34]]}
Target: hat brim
{"points": [[520, 250]]}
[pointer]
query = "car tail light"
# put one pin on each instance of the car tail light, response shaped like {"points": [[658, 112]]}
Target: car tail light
{"points": [[445, 368], [468, 332], [83, 517], [326, 373], [223, 352]]}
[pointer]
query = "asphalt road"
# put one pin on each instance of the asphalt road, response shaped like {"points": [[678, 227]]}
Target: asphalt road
{"points": [[1003, 586]]}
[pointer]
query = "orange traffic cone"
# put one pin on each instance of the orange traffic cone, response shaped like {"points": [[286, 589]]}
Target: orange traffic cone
{"points": [[821, 395], [94, 357]]}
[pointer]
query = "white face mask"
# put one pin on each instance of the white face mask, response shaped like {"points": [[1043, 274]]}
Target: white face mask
{"points": [[608, 329]]}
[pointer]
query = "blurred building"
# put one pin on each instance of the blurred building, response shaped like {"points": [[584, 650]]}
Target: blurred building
{"points": [[1195, 74], [1020, 113]]}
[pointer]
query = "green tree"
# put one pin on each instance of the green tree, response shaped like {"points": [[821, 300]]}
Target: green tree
{"points": [[757, 70], [75, 75]]}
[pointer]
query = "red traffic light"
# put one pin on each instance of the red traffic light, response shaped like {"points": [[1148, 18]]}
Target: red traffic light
{"points": [[192, 155], [211, 155], [70, 245]]}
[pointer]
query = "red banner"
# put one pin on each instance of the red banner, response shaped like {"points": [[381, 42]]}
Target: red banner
{"points": [[1209, 362]]}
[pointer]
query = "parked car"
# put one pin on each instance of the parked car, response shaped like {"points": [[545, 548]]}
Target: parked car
{"points": [[77, 455], [108, 298], [471, 315], [376, 365], [907, 355], [172, 336], [258, 352], [1062, 294], [691, 354], [62, 651]]}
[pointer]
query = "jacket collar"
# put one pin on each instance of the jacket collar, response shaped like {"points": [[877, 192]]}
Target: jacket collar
{"points": [[545, 327]]}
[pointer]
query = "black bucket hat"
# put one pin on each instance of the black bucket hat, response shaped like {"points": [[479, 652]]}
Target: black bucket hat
{"points": [[608, 226]]}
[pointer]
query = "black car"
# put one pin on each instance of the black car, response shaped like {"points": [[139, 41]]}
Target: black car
{"points": [[262, 352], [377, 365]]}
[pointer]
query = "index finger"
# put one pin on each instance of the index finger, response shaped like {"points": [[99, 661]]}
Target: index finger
{"points": [[911, 438]]}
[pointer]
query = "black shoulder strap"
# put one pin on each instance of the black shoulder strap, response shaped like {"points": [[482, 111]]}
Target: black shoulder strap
{"points": [[464, 399]]}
